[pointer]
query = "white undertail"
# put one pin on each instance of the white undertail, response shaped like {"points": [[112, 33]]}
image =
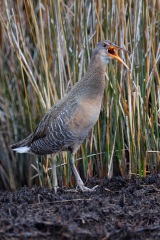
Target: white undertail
{"points": [[22, 149]]}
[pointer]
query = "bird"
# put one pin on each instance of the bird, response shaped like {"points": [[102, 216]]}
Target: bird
{"points": [[67, 123]]}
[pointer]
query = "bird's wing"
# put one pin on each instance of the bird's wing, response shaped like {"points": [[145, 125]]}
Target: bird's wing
{"points": [[42, 128], [53, 132]]}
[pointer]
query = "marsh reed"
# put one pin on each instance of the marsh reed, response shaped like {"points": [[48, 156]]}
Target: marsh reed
{"points": [[45, 49]]}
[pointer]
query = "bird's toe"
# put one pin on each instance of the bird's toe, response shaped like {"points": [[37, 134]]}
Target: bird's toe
{"points": [[86, 189]]}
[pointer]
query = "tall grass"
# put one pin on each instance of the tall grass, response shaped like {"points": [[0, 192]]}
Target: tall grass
{"points": [[45, 48]]}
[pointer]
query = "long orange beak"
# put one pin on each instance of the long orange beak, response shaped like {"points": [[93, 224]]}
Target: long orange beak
{"points": [[113, 54]]}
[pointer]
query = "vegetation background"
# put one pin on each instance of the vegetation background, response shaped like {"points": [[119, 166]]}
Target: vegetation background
{"points": [[45, 47]]}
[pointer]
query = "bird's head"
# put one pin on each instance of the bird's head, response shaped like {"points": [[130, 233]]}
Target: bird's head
{"points": [[107, 50]]}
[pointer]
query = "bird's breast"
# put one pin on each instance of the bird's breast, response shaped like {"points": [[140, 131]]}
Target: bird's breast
{"points": [[85, 116]]}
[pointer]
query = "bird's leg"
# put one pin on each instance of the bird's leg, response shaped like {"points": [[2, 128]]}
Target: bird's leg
{"points": [[77, 176], [54, 172]]}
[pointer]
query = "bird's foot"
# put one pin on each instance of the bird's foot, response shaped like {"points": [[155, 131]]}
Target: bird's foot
{"points": [[83, 189], [55, 189], [86, 189]]}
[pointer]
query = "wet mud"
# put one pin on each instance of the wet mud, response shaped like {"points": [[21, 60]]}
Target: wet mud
{"points": [[118, 209]]}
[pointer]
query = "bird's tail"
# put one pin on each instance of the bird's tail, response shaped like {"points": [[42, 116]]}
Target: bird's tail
{"points": [[23, 146]]}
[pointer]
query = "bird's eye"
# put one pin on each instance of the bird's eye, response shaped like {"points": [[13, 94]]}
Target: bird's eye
{"points": [[104, 45]]}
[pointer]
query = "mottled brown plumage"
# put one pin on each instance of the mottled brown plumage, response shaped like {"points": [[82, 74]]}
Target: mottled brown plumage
{"points": [[67, 123]]}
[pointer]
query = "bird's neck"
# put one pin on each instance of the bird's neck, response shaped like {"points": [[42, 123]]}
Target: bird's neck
{"points": [[94, 79]]}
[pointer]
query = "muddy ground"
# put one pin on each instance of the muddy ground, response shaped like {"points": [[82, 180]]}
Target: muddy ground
{"points": [[118, 209]]}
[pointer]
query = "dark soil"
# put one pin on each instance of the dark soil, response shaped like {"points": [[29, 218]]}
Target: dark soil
{"points": [[118, 209]]}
